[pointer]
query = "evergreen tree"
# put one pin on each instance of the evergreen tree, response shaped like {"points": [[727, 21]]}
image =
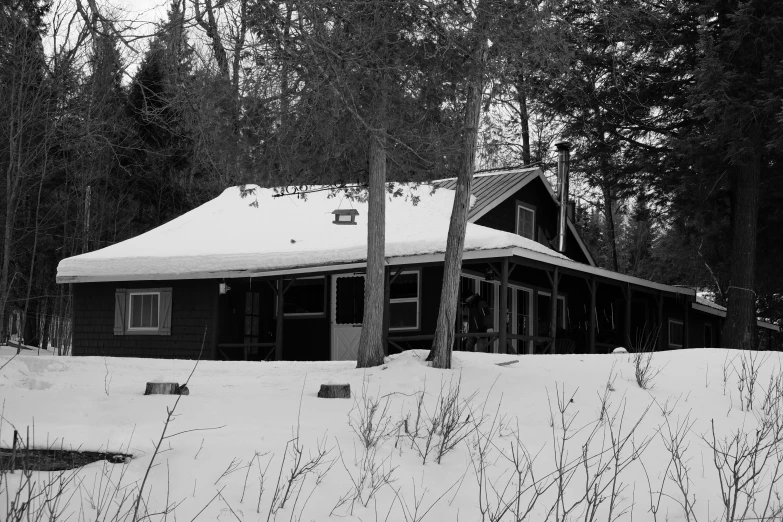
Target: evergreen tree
{"points": [[735, 102]]}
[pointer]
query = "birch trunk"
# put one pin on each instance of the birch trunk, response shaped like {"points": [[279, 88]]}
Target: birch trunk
{"points": [[440, 355]]}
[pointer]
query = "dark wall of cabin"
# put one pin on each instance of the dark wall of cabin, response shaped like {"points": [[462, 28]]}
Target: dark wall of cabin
{"points": [[306, 339], [192, 310], [431, 284], [504, 216]]}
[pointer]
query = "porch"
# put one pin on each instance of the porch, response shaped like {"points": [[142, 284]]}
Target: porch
{"points": [[322, 311]]}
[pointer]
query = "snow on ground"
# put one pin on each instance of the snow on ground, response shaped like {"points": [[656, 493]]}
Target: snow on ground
{"points": [[241, 413]]}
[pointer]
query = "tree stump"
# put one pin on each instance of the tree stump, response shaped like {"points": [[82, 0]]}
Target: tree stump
{"points": [[165, 388], [335, 391]]}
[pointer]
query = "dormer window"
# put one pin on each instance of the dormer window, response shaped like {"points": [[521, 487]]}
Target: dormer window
{"points": [[526, 221], [345, 216]]}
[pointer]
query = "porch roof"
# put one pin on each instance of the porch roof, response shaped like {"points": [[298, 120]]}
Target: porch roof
{"points": [[703, 304]]}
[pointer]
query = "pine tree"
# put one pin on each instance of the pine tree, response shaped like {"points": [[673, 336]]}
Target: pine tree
{"points": [[736, 102]]}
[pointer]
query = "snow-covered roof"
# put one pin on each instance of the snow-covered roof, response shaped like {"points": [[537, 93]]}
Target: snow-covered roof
{"points": [[264, 235], [232, 236], [705, 305]]}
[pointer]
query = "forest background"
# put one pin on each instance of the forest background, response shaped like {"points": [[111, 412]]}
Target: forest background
{"points": [[111, 125]]}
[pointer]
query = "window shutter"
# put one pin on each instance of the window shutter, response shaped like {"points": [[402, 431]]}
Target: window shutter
{"points": [[120, 315], [165, 311]]}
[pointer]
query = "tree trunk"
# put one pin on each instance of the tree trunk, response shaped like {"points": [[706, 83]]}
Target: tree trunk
{"points": [[739, 330], [610, 224], [210, 27], [5, 284], [524, 120], [34, 253], [440, 355], [47, 322], [371, 340]]}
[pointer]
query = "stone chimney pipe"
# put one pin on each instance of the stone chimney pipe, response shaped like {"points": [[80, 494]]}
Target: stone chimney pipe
{"points": [[563, 159]]}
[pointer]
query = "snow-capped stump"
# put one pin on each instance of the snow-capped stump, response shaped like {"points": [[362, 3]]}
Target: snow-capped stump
{"points": [[335, 391], [619, 349], [166, 388]]}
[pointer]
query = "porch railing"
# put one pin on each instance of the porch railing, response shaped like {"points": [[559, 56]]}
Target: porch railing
{"points": [[222, 346], [395, 340]]}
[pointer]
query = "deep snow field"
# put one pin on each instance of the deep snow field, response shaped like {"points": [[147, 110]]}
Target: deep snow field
{"points": [[223, 455]]}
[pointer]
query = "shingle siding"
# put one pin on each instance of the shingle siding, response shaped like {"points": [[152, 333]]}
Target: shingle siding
{"points": [[192, 312]]}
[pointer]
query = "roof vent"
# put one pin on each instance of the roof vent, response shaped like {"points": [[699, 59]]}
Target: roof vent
{"points": [[345, 216]]}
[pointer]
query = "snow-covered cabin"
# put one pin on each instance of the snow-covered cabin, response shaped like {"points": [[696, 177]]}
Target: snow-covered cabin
{"points": [[219, 275]]}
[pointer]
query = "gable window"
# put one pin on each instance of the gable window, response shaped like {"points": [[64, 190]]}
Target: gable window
{"points": [[404, 292], [544, 303], [305, 297], [675, 333], [526, 221], [142, 311]]}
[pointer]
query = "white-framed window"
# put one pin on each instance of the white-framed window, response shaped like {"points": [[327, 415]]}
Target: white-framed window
{"points": [[544, 309], [489, 292], [305, 297], [676, 333], [405, 301], [142, 311], [526, 221]]}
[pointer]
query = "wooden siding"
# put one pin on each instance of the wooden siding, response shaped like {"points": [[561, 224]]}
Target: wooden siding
{"points": [[192, 310], [504, 217]]}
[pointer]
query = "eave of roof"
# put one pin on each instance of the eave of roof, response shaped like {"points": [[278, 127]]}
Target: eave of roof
{"points": [[705, 305]]}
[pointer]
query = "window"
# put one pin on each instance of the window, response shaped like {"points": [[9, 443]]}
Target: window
{"points": [[544, 301], [142, 311], [252, 316], [675, 333], [349, 299], [526, 221], [404, 293], [306, 296]]}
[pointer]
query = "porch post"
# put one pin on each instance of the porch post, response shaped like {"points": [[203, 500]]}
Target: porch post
{"points": [[686, 341], [279, 321], [593, 290], [660, 320], [553, 308], [386, 297], [628, 298], [215, 323], [502, 320]]}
